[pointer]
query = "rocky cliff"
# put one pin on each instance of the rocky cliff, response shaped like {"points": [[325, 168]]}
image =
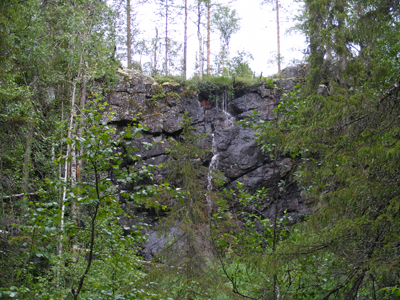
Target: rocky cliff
{"points": [[234, 150]]}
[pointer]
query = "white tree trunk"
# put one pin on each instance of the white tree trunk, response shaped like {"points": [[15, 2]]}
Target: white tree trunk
{"points": [[69, 148], [278, 35]]}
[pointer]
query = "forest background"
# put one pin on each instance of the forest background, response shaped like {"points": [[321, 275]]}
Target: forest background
{"points": [[257, 33], [62, 232]]}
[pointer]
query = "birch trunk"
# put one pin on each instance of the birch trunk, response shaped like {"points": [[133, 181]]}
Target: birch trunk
{"points": [[81, 123], [76, 162], [185, 44], [208, 35], [68, 153], [166, 37], [155, 53], [278, 35], [128, 32], [72, 178], [27, 161]]}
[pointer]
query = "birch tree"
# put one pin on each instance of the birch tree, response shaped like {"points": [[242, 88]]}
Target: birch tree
{"points": [[199, 37], [227, 23], [185, 40]]}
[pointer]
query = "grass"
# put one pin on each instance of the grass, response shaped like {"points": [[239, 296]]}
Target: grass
{"points": [[212, 86]]}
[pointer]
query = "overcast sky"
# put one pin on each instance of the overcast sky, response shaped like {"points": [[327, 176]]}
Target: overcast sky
{"points": [[257, 34]]}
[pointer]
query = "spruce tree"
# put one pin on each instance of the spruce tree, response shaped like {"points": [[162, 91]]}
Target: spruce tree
{"points": [[347, 149], [183, 268]]}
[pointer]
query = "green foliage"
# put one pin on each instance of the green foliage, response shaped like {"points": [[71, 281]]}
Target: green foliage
{"points": [[213, 87], [246, 244], [345, 148], [237, 67], [172, 95], [227, 22], [94, 257], [47, 48], [240, 64]]}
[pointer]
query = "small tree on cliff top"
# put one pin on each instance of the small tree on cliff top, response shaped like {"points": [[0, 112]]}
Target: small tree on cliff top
{"points": [[227, 22]]}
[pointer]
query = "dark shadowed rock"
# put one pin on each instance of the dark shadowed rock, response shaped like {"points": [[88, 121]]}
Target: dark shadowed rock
{"points": [[150, 146], [266, 175], [194, 109]]}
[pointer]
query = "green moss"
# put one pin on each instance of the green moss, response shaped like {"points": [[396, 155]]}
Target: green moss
{"points": [[159, 90], [173, 95], [159, 94], [158, 97]]}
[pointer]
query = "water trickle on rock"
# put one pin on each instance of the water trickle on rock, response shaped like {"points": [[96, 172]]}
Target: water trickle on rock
{"points": [[224, 105], [228, 121], [212, 166]]}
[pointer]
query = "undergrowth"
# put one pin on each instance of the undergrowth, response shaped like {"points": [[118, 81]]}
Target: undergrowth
{"points": [[211, 87]]}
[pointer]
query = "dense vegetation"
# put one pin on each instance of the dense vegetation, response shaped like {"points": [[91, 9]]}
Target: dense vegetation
{"points": [[63, 227]]}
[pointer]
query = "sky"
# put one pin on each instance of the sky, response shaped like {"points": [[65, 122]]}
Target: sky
{"points": [[257, 34]]}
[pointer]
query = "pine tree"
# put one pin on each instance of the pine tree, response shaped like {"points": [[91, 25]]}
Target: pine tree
{"points": [[278, 37]]}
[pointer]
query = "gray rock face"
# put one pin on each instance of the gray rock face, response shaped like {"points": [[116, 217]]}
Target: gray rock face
{"points": [[235, 152], [247, 102], [194, 109], [298, 71], [238, 153], [155, 241]]}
